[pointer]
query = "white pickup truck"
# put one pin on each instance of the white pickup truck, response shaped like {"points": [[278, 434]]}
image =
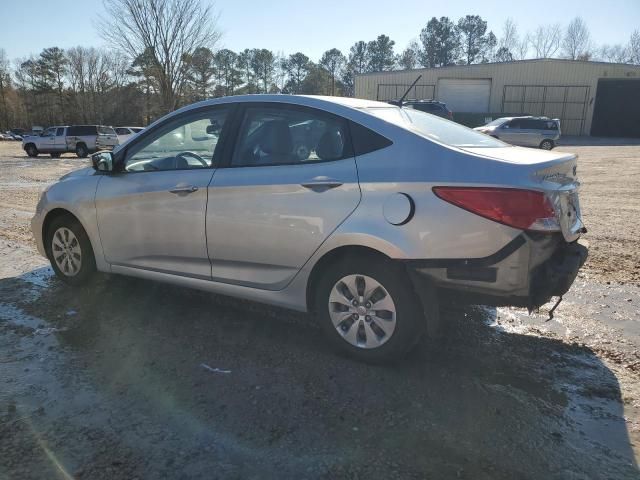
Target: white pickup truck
{"points": [[81, 139]]}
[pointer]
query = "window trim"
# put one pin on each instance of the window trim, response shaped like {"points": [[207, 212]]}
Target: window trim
{"points": [[238, 120], [124, 154]]}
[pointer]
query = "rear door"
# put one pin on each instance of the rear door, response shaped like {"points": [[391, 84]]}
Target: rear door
{"points": [[48, 142], [531, 130], [290, 181], [511, 132], [60, 143]]}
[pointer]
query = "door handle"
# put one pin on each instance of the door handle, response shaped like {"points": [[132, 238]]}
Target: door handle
{"points": [[321, 183], [187, 189]]}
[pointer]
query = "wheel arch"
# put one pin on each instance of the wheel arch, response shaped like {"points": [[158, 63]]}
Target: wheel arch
{"points": [[55, 214], [333, 256]]}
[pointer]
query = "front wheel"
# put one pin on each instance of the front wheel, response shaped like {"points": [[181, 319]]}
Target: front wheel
{"points": [[69, 250], [31, 150], [368, 309], [547, 145]]}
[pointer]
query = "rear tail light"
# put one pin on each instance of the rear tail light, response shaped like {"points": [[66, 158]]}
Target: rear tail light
{"points": [[523, 209]]}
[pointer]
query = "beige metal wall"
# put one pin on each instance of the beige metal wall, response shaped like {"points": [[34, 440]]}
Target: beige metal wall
{"points": [[549, 72]]}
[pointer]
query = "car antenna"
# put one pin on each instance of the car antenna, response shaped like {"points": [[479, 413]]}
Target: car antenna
{"points": [[399, 102]]}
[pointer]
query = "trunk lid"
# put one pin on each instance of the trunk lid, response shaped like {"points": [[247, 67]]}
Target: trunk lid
{"points": [[555, 173]]}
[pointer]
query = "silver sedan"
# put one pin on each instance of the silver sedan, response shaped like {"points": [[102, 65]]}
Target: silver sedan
{"points": [[363, 213]]}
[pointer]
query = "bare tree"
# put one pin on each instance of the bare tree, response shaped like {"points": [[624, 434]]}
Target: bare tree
{"points": [[613, 53], [510, 45], [576, 43], [546, 40], [522, 47], [634, 47], [170, 30], [5, 82]]}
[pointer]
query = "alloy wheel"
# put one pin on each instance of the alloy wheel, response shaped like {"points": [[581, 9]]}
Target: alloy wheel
{"points": [[362, 311], [66, 251]]}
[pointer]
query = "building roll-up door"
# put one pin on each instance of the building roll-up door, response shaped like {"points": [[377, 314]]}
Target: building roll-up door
{"points": [[464, 95]]}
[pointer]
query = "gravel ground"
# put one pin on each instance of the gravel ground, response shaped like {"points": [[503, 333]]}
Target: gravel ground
{"points": [[131, 379]]}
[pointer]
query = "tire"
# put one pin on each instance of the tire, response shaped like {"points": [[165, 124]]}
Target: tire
{"points": [[76, 264], [55, 155], [377, 338], [81, 150], [547, 144], [31, 150]]}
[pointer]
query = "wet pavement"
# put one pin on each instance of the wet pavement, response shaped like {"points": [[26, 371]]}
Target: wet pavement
{"points": [[133, 379]]}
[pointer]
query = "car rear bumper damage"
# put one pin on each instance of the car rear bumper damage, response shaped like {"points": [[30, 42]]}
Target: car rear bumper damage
{"points": [[526, 272]]}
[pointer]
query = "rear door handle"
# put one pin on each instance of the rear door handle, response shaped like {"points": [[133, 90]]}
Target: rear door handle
{"points": [[187, 189], [321, 183]]}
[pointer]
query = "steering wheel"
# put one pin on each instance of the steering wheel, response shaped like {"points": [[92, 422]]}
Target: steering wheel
{"points": [[195, 156]]}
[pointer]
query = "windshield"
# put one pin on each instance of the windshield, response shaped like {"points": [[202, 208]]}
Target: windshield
{"points": [[497, 122], [435, 128]]}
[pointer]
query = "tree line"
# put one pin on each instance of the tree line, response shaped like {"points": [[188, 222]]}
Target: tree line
{"points": [[163, 55]]}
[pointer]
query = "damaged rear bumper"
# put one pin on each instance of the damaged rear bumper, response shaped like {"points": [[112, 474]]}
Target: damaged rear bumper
{"points": [[527, 272]]}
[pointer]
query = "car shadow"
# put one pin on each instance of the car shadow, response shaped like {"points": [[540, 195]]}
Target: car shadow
{"points": [[213, 382]]}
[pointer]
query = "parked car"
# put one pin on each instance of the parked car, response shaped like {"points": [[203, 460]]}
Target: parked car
{"points": [[20, 132], [81, 139], [125, 133], [367, 232], [430, 106], [527, 131]]}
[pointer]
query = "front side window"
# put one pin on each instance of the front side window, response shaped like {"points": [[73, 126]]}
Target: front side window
{"points": [[186, 143], [282, 136], [122, 131], [60, 132], [50, 132]]}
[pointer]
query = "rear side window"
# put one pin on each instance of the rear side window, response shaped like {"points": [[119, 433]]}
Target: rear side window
{"points": [[530, 124], [366, 140], [550, 125], [435, 128], [106, 131], [82, 130], [285, 135]]}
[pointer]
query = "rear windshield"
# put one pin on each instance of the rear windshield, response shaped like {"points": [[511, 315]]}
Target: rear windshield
{"points": [[435, 128], [106, 131]]}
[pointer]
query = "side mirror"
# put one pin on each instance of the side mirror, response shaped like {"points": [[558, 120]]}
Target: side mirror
{"points": [[102, 161], [214, 128]]}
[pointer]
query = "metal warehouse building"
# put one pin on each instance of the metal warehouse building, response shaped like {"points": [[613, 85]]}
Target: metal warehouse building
{"points": [[588, 97]]}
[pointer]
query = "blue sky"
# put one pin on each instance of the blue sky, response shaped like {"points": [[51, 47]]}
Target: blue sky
{"points": [[295, 25]]}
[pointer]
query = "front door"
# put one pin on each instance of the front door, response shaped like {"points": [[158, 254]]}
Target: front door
{"points": [[152, 214], [291, 181]]}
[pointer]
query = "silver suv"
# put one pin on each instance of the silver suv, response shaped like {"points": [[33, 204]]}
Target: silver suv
{"points": [[529, 131], [363, 213]]}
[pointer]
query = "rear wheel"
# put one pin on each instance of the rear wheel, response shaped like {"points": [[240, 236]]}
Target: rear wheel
{"points": [[81, 150], [368, 309], [547, 144], [69, 250], [31, 150]]}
